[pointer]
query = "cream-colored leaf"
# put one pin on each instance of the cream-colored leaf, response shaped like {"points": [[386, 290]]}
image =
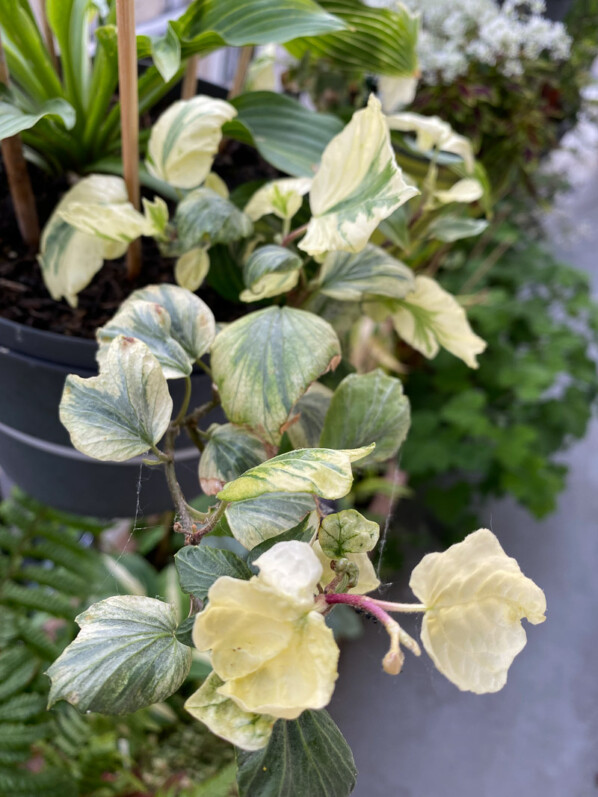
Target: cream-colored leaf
{"points": [[185, 139], [270, 271], [217, 185], [225, 719], [261, 75], [157, 215], [475, 597], [367, 580], [430, 317], [433, 133], [396, 91], [192, 268], [282, 198], [346, 532], [371, 272], [466, 190], [122, 412], [357, 185], [258, 519], [118, 221]]}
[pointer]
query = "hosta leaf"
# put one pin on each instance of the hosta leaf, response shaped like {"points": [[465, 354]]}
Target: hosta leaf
{"points": [[264, 362], [368, 408], [199, 566], [270, 271], [125, 657], [371, 272], [259, 519], [310, 411], [308, 755], [347, 532], [285, 133], [320, 471], [357, 185], [230, 451], [378, 40], [224, 718], [451, 228], [13, 120], [192, 323], [122, 412], [149, 323], [192, 268], [204, 217]]}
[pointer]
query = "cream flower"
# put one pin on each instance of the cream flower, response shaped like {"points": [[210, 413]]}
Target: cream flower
{"points": [[475, 597], [357, 185], [432, 132], [430, 317], [268, 644], [283, 198], [368, 580]]}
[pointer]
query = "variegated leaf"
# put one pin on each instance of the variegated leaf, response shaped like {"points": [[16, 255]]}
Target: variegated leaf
{"points": [[450, 227], [263, 363], [432, 133], [122, 412], [185, 139], [347, 532], [256, 520], [466, 190], [270, 271], [192, 323], [13, 120], [368, 408], [125, 657], [156, 212], [357, 185], [204, 218], [230, 451], [371, 272], [310, 412], [150, 323], [117, 221], [320, 471], [192, 268], [224, 718], [282, 198]]}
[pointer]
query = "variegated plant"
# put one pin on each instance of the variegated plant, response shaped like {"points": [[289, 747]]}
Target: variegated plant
{"points": [[288, 443]]}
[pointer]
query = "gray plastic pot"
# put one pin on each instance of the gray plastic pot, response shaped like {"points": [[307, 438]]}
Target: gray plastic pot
{"points": [[35, 451]]}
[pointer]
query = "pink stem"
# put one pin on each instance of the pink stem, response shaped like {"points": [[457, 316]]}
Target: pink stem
{"points": [[361, 602]]}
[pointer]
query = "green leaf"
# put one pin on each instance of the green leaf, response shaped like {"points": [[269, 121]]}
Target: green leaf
{"points": [[320, 471], [199, 566], [368, 408], [285, 133], [371, 272], [122, 412], [450, 228], [258, 520], [310, 412], [69, 19], [230, 451], [306, 756], [395, 228], [270, 271], [377, 40], [347, 532], [166, 52], [204, 217], [13, 120], [264, 362], [302, 532], [125, 657]]}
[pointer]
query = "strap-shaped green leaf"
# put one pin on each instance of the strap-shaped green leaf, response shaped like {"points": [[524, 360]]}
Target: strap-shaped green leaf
{"points": [[371, 272], [125, 657], [258, 520], [308, 756], [378, 40], [285, 133], [320, 471], [365, 408], [347, 532], [230, 451], [270, 271], [122, 412], [13, 120], [199, 566], [263, 363]]}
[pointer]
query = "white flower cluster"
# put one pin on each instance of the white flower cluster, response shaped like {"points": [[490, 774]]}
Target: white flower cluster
{"points": [[455, 33]]}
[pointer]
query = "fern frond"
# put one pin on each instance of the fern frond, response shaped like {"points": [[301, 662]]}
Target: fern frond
{"points": [[22, 707]]}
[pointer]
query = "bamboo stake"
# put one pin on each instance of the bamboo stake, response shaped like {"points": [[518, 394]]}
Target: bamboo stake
{"points": [[129, 115], [245, 57], [19, 183], [48, 35], [189, 88]]}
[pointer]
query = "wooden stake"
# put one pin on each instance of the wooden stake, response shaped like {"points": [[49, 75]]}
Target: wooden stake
{"points": [[48, 35], [189, 88], [245, 57], [129, 116], [19, 183]]}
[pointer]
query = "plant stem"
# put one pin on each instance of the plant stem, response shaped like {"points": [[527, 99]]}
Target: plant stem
{"points": [[408, 608], [129, 109], [189, 87], [297, 233], [245, 57], [19, 184], [185, 405]]}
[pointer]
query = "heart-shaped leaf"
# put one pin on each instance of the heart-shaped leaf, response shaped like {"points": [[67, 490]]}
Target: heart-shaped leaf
{"points": [[259, 519], [199, 566], [371, 272], [230, 451], [347, 532], [204, 218], [310, 412], [270, 271]]}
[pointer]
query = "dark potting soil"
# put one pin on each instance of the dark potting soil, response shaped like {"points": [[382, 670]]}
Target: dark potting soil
{"points": [[24, 297]]}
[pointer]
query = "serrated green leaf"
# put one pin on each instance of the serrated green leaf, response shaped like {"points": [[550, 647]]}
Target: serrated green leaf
{"points": [[371, 272], [347, 532], [368, 408], [264, 362], [320, 471], [230, 451], [205, 218], [270, 271], [199, 566], [13, 120], [308, 756], [122, 412], [125, 657], [257, 520]]}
